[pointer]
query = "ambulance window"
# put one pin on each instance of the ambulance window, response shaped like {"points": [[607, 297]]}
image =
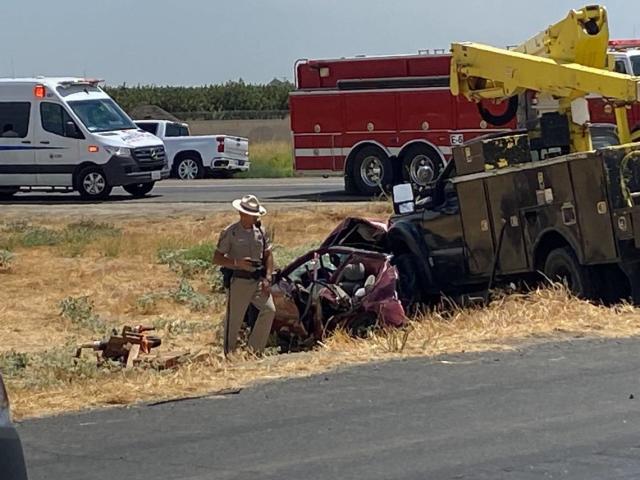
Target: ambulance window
{"points": [[14, 119], [172, 130], [55, 118]]}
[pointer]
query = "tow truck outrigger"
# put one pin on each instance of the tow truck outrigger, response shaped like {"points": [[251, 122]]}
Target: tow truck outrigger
{"points": [[540, 199]]}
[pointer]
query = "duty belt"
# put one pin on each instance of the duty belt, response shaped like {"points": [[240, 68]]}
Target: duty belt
{"points": [[245, 274]]}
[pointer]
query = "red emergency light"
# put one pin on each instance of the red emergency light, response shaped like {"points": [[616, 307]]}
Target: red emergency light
{"points": [[624, 43], [39, 91]]}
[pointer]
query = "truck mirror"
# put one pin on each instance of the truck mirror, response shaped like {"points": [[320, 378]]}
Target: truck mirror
{"points": [[403, 198]]}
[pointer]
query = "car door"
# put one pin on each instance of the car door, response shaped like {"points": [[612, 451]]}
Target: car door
{"points": [[58, 145], [17, 154]]}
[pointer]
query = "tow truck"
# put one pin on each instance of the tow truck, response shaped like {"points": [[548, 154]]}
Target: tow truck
{"points": [[540, 199]]}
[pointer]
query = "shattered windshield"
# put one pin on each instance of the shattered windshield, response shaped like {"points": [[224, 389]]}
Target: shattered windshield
{"points": [[101, 115]]}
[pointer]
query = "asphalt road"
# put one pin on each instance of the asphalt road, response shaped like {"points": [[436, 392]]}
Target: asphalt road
{"points": [[213, 191], [568, 411]]}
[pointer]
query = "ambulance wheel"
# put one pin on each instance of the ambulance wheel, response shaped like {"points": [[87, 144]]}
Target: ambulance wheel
{"points": [[421, 165], [7, 192], [372, 170], [562, 266], [92, 184], [139, 189]]}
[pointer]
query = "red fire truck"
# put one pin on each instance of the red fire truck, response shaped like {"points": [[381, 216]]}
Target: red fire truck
{"points": [[382, 120]]}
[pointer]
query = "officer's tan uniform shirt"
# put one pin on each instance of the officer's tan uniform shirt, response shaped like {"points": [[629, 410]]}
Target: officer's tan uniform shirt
{"points": [[236, 242]]}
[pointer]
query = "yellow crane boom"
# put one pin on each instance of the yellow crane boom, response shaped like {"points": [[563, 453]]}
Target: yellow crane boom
{"points": [[565, 61]]}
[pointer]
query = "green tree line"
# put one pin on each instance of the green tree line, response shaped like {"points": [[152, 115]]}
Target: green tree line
{"points": [[231, 96]]}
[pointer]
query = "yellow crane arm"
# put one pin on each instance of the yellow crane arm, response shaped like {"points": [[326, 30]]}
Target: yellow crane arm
{"points": [[482, 72], [566, 61], [581, 37]]}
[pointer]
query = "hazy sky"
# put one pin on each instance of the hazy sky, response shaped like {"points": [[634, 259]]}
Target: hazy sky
{"points": [[191, 42]]}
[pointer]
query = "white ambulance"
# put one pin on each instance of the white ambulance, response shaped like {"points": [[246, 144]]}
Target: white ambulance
{"points": [[67, 134]]}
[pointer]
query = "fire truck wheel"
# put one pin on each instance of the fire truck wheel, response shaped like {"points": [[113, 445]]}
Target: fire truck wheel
{"points": [[421, 165], [562, 266], [372, 171]]}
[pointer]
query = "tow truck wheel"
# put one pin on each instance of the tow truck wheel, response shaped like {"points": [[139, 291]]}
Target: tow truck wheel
{"points": [[6, 192], [372, 171], [417, 161], [139, 189], [562, 266], [189, 168], [92, 184]]}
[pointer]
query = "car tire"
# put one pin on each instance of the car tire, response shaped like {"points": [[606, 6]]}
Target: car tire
{"points": [[139, 190], [372, 169], [92, 184], [418, 156], [189, 168], [8, 192], [562, 266]]}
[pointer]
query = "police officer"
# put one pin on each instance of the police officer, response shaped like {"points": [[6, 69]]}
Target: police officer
{"points": [[244, 248]]}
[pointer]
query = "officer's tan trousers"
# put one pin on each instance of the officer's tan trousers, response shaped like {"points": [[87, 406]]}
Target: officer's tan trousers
{"points": [[245, 291]]}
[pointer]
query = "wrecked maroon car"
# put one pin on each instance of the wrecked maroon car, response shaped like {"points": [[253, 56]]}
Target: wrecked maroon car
{"points": [[349, 282]]}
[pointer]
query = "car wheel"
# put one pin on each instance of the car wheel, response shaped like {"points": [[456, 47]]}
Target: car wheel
{"points": [[7, 192], [189, 168], [562, 266], [139, 189], [92, 184], [372, 171], [421, 165]]}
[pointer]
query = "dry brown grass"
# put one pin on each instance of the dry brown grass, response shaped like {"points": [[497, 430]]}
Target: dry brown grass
{"points": [[42, 276]]}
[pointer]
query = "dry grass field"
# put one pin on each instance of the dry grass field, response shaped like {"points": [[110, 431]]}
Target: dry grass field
{"points": [[66, 281]]}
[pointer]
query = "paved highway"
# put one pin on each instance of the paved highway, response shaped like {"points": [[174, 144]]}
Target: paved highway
{"points": [[214, 191], [566, 411]]}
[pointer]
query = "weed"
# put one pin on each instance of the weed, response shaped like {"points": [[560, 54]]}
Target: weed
{"points": [[13, 363], [270, 160], [148, 303], [185, 294], [6, 259], [50, 368], [40, 237], [181, 327], [16, 226], [79, 310], [188, 262], [76, 236]]}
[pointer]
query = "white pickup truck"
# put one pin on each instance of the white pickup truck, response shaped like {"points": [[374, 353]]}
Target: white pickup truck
{"points": [[190, 157]]}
